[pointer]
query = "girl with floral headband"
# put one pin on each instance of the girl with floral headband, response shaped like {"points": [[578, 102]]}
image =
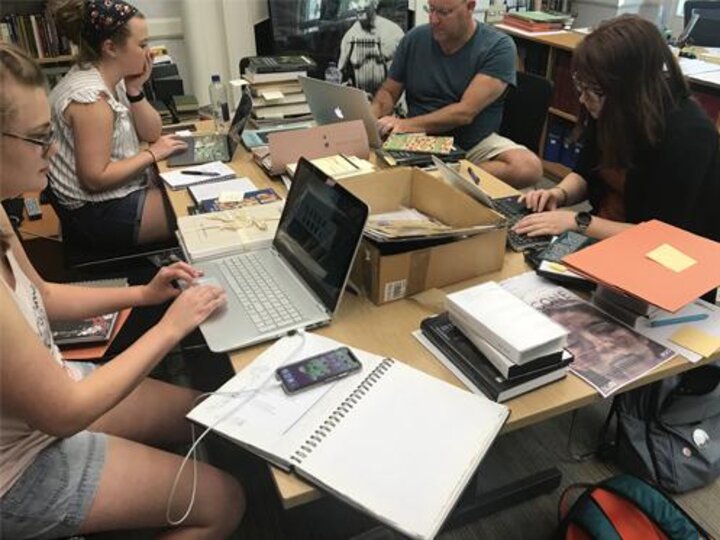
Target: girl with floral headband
{"points": [[106, 197]]}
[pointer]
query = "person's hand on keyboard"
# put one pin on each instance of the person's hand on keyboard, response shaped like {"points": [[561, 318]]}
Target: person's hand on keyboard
{"points": [[539, 200], [546, 223], [192, 307]]}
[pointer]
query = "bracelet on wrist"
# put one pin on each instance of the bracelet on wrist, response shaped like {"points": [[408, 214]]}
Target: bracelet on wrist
{"points": [[137, 98], [565, 195], [152, 154]]}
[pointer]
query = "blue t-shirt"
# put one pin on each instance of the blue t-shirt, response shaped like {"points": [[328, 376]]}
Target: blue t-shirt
{"points": [[434, 80]]}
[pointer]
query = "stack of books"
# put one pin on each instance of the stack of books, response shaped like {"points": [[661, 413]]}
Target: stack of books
{"points": [[534, 21], [277, 95], [497, 344]]}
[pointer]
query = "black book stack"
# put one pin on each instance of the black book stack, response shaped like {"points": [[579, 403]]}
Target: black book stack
{"points": [[464, 359]]}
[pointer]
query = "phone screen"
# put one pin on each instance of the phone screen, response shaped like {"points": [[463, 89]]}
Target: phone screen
{"points": [[317, 369]]}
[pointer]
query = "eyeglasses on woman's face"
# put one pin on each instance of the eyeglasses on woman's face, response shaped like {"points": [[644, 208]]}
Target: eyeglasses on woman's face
{"points": [[590, 90], [44, 141]]}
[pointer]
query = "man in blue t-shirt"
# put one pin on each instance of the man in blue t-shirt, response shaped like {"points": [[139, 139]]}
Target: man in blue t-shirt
{"points": [[454, 72]]}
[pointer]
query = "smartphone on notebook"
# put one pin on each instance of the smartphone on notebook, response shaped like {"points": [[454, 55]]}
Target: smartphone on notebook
{"points": [[316, 370]]}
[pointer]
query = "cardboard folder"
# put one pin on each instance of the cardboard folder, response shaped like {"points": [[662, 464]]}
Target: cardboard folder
{"points": [[658, 263]]}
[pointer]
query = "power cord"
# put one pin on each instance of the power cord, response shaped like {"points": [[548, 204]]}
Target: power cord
{"points": [[195, 442]]}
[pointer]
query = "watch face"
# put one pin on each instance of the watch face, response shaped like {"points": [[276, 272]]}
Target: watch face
{"points": [[583, 220]]}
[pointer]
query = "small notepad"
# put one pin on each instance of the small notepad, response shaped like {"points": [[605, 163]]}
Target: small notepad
{"points": [[671, 258]]}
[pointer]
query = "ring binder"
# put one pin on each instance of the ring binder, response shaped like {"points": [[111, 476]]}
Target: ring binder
{"points": [[341, 410]]}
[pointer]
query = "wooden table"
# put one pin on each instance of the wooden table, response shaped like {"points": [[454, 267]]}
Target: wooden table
{"points": [[386, 330]]}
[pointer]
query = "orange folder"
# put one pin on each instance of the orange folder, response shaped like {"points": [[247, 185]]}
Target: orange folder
{"points": [[98, 351], [658, 263]]}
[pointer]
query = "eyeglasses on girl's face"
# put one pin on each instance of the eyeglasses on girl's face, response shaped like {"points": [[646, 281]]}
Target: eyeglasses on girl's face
{"points": [[44, 141]]}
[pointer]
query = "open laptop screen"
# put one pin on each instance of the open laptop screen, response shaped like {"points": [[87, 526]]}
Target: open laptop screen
{"points": [[319, 231]]}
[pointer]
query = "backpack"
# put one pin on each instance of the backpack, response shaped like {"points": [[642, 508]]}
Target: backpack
{"points": [[623, 507], [668, 432]]}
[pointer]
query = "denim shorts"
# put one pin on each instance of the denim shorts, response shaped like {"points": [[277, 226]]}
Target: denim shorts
{"points": [[105, 226], [53, 496]]}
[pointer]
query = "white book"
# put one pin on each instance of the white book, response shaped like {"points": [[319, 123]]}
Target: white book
{"points": [[186, 176], [281, 111], [206, 236], [278, 99], [508, 324], [390, 440], [213, 190], [279, 76]]}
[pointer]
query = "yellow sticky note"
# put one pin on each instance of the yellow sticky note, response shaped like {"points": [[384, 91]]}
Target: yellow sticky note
{"points": [[671, 258], [696, 340]]}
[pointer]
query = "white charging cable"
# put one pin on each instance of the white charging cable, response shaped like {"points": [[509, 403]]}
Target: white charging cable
{"points": [[192, 451]]}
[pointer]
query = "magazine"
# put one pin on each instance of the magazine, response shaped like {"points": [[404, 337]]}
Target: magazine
{"points": [[608, 354]]}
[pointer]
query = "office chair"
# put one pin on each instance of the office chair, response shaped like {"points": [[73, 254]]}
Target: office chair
{"points": [[706, 32], [525, 110]]}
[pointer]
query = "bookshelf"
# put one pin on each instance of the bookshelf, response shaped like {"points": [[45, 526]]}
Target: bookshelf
{"points": [[29, 25]]}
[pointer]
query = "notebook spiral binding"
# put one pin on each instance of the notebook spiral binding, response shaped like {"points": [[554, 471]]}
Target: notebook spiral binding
{"points": [[334, 418]]}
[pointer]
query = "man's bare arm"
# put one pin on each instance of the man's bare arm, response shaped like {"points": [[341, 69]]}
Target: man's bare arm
{"points": [[482, 91], [386, 98]]}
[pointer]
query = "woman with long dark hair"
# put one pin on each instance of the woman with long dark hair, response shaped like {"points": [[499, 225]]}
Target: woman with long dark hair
{"points": [[649, 150]]}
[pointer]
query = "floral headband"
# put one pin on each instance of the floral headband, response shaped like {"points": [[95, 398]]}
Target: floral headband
{"points": [[103, 18]]}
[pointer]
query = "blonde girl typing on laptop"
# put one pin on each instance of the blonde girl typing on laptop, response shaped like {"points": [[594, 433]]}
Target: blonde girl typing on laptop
{"points": [[100, 114], [76, 443]]}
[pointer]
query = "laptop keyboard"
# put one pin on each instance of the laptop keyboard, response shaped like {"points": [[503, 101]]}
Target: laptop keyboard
{"points": [[265, 302], [514, 211]]}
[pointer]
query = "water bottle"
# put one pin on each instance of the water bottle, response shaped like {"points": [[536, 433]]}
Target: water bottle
{"points": [[219, 103], [333, 73]]}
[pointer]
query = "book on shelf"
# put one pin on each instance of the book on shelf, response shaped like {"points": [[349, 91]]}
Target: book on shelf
{"points": [[35, 33], [209, 235], [537, 17], [530, 26], [489, 313], [390, 440], [456, 352]]}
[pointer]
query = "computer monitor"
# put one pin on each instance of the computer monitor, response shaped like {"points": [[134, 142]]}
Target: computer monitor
{"points": [[705, 32]]}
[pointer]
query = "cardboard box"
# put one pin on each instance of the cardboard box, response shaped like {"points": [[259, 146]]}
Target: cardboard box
{"points": [[393, 270]]}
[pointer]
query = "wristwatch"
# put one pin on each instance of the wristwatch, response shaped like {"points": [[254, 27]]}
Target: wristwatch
{"points": [[135, 99], [582, 221]]}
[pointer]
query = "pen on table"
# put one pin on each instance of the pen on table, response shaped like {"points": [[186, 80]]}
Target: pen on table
{"points": [[348, 160], [475, 178], [677, 320], [201, 173]]}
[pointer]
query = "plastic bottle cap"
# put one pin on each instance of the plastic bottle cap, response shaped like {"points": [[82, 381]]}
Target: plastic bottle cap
{"points": [[215, 78]]}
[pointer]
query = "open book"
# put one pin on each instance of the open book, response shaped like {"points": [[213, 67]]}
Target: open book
{"points": [[390, 440]]}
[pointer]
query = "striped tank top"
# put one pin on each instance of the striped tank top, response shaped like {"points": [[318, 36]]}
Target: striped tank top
{"points": [[86, 85]]}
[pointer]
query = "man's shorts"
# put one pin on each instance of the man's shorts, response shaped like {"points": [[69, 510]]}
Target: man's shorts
{"points": [[490, 147]]}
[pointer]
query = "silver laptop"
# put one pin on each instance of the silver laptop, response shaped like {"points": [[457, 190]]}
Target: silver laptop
{"points": [[298, 281], [330, 103]]}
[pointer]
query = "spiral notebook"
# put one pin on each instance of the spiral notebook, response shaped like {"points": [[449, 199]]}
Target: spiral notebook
{"points": [[390, 440]]}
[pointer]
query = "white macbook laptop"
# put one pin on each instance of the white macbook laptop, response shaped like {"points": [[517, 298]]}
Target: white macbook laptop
{"points": [[296, 283], [331, 103]]}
